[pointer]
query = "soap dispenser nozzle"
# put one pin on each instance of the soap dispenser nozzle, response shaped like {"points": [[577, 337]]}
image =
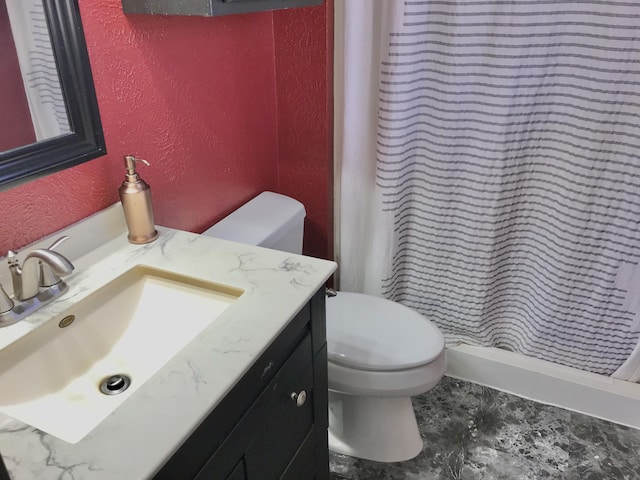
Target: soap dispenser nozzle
{"points": [[130, 164]]}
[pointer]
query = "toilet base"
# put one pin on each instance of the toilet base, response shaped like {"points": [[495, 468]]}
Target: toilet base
{"points": [[383, 429]]}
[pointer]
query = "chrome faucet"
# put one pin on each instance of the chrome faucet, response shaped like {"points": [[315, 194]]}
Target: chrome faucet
{"points": [[28, 279], [35, 284]]}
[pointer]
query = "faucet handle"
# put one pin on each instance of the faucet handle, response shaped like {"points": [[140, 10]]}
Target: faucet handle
{"points": [[58, 242], [12, 259]]}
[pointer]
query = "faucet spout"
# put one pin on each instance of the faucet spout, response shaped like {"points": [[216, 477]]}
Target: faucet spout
{"points": [[26, 280]]}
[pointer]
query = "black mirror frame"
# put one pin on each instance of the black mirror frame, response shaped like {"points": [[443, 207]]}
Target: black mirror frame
{"points": [[86, 141]]}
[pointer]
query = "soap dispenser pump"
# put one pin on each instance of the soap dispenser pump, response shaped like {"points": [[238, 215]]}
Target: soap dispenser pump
{"points": [[135, 195]]}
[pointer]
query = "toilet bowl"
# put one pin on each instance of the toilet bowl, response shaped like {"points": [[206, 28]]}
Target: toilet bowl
{"points": [[380, 353]]}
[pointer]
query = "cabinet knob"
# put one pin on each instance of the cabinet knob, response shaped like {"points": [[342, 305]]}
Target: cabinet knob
{"points": [[299, 398]]}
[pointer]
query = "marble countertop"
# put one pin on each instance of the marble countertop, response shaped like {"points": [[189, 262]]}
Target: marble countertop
{"points": [[139, 436]]}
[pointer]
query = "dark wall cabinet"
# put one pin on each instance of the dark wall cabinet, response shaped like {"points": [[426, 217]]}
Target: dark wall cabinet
{"points": [[273, 424], [210, 8]]}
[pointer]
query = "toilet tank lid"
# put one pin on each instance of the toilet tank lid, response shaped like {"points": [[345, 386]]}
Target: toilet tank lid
{"points": [[261, 221]]}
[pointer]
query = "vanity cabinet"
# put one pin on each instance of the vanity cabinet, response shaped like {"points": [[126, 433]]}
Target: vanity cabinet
{"points": [[273, 423], [4, 475]]}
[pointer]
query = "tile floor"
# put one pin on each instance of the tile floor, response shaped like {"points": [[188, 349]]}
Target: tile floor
{"points": [[477, 433]]}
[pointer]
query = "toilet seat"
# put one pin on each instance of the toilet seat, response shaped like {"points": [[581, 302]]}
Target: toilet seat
{"points": [[398, 383], [374, 334]]}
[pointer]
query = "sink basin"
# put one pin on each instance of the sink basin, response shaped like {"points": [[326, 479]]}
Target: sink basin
{"points": [[132, 326]]}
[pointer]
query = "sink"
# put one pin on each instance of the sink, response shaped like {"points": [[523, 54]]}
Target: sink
{"points": [[132, 326]]}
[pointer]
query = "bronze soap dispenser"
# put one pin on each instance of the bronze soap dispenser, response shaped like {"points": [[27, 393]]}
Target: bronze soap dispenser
{"points": [[135, 195]]}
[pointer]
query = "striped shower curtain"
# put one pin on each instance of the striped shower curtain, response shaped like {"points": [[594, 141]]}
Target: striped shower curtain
{"points": [[501, 171]]}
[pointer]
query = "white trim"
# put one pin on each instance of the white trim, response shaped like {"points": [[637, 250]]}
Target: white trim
{"points": [[338, 126], [546, 382]]}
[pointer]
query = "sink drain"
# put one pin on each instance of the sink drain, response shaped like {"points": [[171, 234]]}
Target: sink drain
{"points": [[115, 384]]}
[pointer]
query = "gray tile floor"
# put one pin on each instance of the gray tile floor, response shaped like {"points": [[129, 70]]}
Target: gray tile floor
{"points": [[477, 433]]}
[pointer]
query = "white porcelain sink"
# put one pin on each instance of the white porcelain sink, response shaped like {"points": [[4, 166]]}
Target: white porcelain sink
{"points": [[50, 378]]}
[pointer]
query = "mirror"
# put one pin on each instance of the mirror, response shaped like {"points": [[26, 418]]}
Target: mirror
{"points": [[49, 115], [33, 107]]}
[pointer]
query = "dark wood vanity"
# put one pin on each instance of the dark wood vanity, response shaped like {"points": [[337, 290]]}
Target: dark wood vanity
{"points": [[273, 423], [3, 470]]}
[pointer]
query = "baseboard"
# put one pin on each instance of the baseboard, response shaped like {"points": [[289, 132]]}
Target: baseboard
{"points": [[589, 393]]}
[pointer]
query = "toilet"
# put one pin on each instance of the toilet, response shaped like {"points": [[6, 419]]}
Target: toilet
{"points": [[380, 353]]}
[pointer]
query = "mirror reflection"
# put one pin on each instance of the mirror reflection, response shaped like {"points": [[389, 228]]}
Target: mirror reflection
{"points": [[32, 105]]}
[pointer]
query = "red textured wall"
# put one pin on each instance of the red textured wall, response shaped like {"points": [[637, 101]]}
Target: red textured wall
{"points": [[16, 128], [304, 78], [197, 97]]}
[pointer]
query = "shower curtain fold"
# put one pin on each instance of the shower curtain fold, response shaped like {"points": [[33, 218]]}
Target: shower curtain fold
{"points": [[38, 68], [490, 174]]}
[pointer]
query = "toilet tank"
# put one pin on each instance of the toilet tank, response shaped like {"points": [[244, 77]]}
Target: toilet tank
{"points": [[269, 220]]}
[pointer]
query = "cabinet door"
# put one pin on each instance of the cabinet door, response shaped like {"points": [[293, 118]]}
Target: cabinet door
{"points": [[264, 436], [3, 471], [303, 465], [238, 472], [278, 441]]}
